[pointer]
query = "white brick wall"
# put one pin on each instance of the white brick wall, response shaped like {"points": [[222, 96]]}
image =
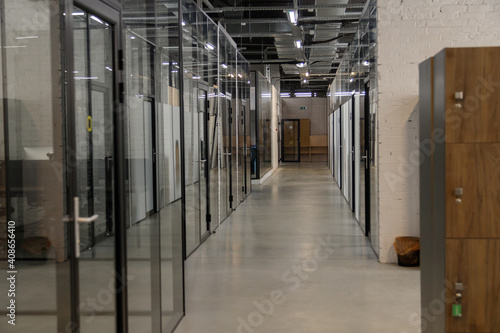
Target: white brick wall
{"points": [[410, 31]]}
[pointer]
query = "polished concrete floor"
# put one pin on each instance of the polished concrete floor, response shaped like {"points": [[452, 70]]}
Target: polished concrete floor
{"points": [[292, 258]]}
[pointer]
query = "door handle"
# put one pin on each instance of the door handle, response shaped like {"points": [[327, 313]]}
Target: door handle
{"points": [[203, 161], [78, 219]]}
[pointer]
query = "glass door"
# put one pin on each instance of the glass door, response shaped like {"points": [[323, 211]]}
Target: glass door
{"points": [[196, 150], [291, 140], [91, 149]]}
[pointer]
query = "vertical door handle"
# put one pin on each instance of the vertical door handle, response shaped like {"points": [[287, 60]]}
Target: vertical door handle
{"points": [[78, 219]]}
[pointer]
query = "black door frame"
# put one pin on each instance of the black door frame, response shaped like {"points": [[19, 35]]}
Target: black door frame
{"points": [[332, 142], [353, 154], [245, 147], [68, 303], [283, 139], [154, 144], [208, 218], [229, 156], [367, 160], [341, 168]]}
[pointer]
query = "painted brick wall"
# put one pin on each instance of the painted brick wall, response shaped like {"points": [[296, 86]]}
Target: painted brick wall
{"points": [[410, 31]]}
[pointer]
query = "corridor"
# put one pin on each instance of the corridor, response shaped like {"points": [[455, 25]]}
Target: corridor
{"points": [[292, 258]]}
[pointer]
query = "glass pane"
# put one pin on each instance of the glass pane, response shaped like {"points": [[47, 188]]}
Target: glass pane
{"points": [[32, 165], [291, 140], [203, 165], [154, 242], [149, 155], [192, 160], [94, 83], [143, 229]]}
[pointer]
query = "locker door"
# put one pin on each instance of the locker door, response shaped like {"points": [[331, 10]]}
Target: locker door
{"points": [[474, 170], [474, 263]]}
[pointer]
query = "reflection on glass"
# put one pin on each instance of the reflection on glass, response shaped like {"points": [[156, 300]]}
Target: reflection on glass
{"points": [[94, 126], [359, 66], [154, 244], [31, 164], [261, 94], [291, 143]]}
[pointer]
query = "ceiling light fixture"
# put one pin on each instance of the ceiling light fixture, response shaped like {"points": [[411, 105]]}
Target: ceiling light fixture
{"points": [[96, 19], [300, 64], [298, 44], [307, 73], [27, 37], [292, 16], [209, 46]]}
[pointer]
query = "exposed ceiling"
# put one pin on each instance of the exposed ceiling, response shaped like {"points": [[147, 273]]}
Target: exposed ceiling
{"points": [[265, 35]]}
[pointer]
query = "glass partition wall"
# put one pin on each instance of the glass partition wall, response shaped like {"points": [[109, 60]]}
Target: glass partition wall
{"points": [[243, 120], [261, 113], [106, 104], [199, 48], [356, 87], [154, 164], [216, 89], [33, 236]]}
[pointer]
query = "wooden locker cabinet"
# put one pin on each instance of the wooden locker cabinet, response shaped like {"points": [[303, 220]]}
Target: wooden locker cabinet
{"points": [[460, 190]]}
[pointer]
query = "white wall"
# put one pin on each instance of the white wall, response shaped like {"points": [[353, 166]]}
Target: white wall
{"points": [[410, 31], [316, 112]]}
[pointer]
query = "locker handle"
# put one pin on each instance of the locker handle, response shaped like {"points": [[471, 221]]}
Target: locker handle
{"points": [[459, 192]]}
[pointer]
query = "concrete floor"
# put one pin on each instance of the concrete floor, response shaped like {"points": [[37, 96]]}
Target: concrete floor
{"points": [[292, 258]]}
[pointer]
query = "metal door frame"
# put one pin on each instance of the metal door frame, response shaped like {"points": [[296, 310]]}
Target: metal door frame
{"points": [[208, 218], [154, 144], [110, 11], [341, 168], [353, 155], [367, 162]]}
